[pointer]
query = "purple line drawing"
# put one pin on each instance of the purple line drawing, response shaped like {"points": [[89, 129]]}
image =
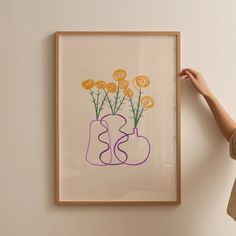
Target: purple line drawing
{"points": [[108, 143], [125, 139], [90, 146], [112, 144]]}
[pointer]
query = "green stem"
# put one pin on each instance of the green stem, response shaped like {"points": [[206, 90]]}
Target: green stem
{"points": [[98, 94], [138, 105], [121, 102], [117, 96], [138, 118], [102, 104], [94, 103], [109, 102], [133, 109]]}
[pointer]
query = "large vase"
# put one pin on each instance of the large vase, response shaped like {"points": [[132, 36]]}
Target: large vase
{"points": [[115, 124], [98, 144]]}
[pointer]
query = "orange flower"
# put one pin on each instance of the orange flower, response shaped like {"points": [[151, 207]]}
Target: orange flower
{"points": [[88, 84], [119, 74], [123, 84], [147, 102], [111, 87], [100, 84], [141, 81], [128, 92]]}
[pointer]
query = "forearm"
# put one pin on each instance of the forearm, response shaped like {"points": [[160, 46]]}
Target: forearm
{"points": [[223, 119]]}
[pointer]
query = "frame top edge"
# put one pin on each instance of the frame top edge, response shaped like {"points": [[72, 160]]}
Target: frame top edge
{"points": [[174, 33]]}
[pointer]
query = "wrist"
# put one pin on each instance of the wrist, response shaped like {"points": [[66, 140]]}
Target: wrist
{"points": [[208, 94]]}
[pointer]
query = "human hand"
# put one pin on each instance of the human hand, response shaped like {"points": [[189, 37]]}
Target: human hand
{"points": [[197, 80]]}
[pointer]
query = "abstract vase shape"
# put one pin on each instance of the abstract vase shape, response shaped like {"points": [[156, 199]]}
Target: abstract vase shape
{"points": [[98, 147], [115, 124], [133, 148]]}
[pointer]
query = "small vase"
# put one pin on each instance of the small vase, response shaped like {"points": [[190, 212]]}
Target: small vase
{"points": [[136, 148]]}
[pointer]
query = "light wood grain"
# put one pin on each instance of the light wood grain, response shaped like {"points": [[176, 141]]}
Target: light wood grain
{"points": [[175, 34]]}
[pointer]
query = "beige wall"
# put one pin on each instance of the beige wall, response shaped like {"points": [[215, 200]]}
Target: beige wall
{"points": [[27, 117]]}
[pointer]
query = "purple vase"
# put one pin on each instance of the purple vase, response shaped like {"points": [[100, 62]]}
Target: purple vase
{"points": [[115, 124], [136, 148], [98, 144]]}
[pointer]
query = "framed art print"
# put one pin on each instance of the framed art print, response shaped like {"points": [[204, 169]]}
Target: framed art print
{"points": [[117, 118]]}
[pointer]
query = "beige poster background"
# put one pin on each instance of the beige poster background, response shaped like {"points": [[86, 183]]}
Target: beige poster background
{"points": [[96, 57]]}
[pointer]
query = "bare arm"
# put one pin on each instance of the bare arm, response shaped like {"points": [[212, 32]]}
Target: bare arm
{"points": [[223, 119]]}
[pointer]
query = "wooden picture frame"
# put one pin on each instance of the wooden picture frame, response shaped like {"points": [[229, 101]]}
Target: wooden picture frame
{"points": [[87, 175]]}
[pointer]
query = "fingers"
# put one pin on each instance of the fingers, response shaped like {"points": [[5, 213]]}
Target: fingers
{"points": [[194, 72], [182, 73], [190, 75], [185, 73]]}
